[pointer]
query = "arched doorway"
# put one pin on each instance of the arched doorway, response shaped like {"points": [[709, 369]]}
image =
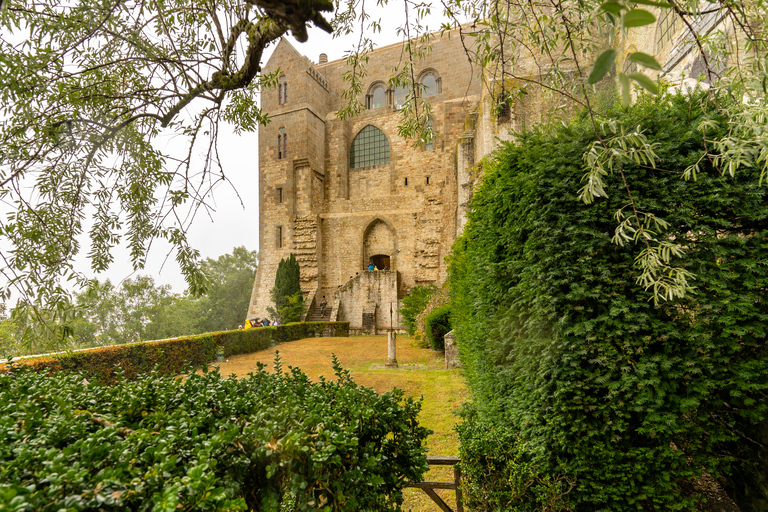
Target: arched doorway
{"points": [[379, 245]]}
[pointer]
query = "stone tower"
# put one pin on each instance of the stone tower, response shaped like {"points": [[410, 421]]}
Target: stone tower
{"points": [[341, 194]]}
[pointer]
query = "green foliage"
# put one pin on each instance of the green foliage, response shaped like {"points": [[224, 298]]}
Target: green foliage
{"points": [[497, 474], [206, 443], [437, 325], [230, 282], [284, 293], [413, 304], [627, 398], [171, 356]]}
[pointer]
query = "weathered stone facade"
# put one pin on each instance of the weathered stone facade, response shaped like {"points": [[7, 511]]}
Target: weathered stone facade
{"points": [[404, 213], [335, 217]]}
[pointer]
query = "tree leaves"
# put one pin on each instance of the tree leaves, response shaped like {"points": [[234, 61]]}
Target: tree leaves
{"points": [[602, 66]]}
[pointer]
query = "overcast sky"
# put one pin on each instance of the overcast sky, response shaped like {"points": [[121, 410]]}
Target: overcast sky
{"points": [[232, 223]]}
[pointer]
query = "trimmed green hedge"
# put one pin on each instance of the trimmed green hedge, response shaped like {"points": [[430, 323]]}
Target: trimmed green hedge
{"points": [[628, 399], [437, 324], [171, 356]]}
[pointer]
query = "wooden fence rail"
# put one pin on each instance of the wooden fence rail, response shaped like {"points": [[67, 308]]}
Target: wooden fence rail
{"points": [[429, 487]]}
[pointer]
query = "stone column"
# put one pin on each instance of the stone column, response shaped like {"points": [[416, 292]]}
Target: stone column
{"points": [[391, 349]]}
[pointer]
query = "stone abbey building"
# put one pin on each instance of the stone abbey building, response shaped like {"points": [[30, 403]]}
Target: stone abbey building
{"points": [[342, 194]]}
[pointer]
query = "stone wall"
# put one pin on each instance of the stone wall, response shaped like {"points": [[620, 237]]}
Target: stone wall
{"points": [[334, 217]]}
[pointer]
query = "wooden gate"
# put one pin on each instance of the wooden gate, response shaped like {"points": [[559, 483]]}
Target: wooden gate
{"points": [[429, 487]]}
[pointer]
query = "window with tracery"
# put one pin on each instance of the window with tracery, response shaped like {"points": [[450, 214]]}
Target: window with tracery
{"points": [[282, 144], [282, 90], [370, 147]]}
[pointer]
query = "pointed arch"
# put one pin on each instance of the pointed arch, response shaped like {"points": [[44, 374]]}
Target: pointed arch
{"points": [[379, 244]]}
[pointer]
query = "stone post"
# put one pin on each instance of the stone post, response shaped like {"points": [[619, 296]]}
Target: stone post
{"points": [[391, 349]]}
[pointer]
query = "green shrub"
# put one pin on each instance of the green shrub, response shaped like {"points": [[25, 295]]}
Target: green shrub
{"points": [[628, 399], [497, 474], [438, 324], [205, 443], [413, 304]]}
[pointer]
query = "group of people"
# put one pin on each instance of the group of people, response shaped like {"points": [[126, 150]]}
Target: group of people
{"points": [[259, 322], [371, 266]]}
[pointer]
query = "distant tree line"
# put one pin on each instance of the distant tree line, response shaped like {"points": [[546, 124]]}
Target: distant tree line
{"points": [[141, 309]]}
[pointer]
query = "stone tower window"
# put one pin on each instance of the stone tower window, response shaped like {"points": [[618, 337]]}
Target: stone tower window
{"points": [[377, 96], [282, 144], [399, 97], [282, 90], [370, 147], [279, 237], [279, 195]]}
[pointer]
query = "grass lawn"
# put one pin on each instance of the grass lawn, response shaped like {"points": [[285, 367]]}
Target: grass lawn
{"points": [[421, 373]]}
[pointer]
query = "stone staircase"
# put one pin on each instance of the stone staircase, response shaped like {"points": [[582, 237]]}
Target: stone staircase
{"points": [[315, 316]]}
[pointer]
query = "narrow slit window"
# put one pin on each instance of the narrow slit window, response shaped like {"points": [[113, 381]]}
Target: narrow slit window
{"points": [[282, 144], [282, 90], [279, 237], [279, 195], [427, 180], [406, 182]]}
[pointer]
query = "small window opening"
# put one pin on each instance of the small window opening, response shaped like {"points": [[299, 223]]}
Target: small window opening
{"points": [[427, 180], [279, 195], [406, 182], [279, 237], [282, 90], [282, 144]]}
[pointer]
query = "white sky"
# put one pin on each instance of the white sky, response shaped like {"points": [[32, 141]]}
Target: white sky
{"points": [[233, 224]]}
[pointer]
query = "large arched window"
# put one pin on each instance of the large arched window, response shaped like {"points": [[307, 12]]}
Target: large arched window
{"points": [[370, 147], [282, 90], [282, 144]]}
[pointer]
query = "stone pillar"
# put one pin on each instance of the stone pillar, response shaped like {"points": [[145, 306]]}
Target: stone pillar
{"points": [[391, 349], [451, 352]]}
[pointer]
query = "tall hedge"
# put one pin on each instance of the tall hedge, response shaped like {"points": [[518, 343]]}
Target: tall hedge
{"points": [[626, 399]]}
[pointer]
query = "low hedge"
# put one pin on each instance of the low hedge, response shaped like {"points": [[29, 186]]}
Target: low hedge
{"points": [[171, 356]]}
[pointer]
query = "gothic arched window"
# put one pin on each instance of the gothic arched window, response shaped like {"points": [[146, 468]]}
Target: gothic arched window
{"points": [[282, 90], [282, 144], [370, 147]]}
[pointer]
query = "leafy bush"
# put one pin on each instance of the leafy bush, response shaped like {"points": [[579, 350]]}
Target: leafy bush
{"points": [[205, 443], [628, 399], [413, 304], [438, 324]]}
